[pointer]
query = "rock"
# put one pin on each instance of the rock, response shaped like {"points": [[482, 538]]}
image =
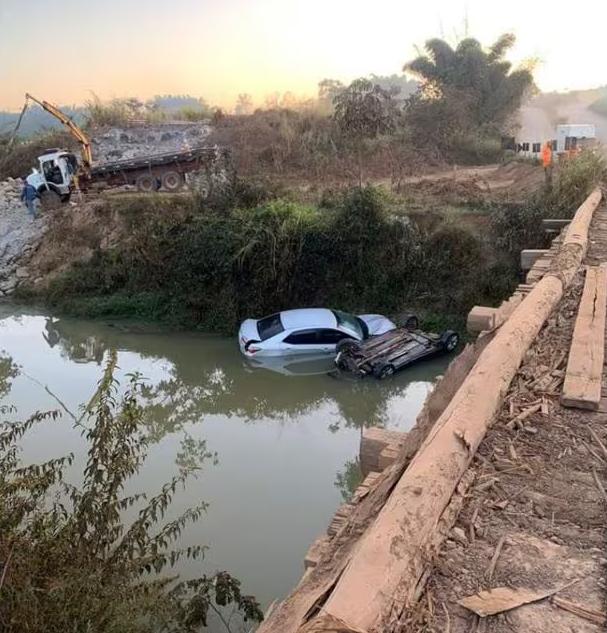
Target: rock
{"points": [[22, 272], [8, 286]]}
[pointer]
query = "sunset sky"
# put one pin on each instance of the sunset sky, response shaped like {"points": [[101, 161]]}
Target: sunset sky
{"points": [[61, 50]]}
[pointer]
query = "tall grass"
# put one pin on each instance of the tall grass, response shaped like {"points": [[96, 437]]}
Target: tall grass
{"points": [[120, 112], [519, 226], [220, 265]]}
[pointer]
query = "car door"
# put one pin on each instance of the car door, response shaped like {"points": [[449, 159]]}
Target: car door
{"points": [[303, 342], [329, 338]]}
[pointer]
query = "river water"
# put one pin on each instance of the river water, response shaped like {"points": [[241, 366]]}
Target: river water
{"points": [[286, 436]]}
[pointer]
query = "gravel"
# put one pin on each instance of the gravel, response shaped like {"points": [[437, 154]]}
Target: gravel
{"points": [[19, 236]]}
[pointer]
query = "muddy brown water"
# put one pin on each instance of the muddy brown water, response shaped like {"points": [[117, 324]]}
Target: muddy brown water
{"points": [[286, 434]]}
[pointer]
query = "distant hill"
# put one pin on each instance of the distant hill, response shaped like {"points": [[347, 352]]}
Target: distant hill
{"points": [[37, 120]]}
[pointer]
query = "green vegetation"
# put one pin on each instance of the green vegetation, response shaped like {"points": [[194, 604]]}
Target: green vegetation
{"points": [[213, 266], [70, 562], [467, 96], [519, 226]]}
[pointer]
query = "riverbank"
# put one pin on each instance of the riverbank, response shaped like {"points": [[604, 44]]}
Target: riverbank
{"points": [[194, 261], [176, 260]]}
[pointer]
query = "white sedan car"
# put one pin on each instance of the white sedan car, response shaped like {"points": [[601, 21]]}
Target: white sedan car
{"points": [[307, 330]]}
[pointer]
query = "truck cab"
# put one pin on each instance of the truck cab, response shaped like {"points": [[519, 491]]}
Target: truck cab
{"points": [[56, 172]]}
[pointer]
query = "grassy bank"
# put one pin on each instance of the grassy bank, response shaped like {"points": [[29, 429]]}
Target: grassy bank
{"points": [[251, 251], [209, 266]]}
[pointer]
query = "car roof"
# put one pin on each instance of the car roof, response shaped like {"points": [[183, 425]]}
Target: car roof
{"points": [[308, 318]]}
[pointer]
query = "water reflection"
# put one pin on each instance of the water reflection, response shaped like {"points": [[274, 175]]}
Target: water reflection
{"points": [[207, 375], [286, 435]]}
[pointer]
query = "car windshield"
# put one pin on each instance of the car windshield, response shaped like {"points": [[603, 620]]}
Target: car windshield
{"points": [[269, 326], [351, 322]]}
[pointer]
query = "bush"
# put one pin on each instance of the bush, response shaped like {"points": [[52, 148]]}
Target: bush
{"points": [[193, 114], [519, 226], [212, 269], [69, 561], [576, 178]]}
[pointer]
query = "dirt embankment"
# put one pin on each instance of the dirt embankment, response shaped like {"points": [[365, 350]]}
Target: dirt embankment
{"points": [[97, 223]]}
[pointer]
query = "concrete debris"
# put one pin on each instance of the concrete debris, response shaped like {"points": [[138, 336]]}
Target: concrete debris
{"points": [[19, 236], [121, 143]]}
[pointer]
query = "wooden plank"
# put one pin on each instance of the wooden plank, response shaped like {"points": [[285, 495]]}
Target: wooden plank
{"points": [[480, 319], [373, 441], [555, 224], [582, 385], [530, 255]]}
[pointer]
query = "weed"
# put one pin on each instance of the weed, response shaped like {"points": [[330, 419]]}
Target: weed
{"points": [[69, 561]]}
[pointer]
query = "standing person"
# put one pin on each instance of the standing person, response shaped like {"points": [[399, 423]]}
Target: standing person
{"points": [[30, 196], [547, 163]]}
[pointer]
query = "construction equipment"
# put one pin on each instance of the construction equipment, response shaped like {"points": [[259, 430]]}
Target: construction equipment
{"points": [[60, 172], [77, 133]]}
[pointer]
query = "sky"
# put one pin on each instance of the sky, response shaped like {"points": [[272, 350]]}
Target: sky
{"points": [[61, 50]]}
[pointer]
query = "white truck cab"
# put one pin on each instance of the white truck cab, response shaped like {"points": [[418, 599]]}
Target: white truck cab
{"points": [[55, 174]]}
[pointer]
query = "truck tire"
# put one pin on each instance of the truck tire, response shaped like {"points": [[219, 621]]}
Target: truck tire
{"points": [[172, 181], [146, 183]]}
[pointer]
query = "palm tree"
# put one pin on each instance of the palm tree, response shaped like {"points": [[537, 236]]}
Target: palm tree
{"points": [[482, 78]]}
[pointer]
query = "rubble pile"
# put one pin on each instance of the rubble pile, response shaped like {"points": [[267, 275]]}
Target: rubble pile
{"points": [[19, 236], [121, 143]]}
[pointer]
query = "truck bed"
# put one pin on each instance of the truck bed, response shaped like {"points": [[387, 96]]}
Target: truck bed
{"points": [[153, 160]]}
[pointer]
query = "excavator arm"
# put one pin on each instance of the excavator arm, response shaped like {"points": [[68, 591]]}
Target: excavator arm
{"points": [[79, 135]]}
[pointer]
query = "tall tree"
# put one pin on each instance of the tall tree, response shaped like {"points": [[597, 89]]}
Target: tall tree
{"points": [[468, 86], [364, 111], [244, 104]]}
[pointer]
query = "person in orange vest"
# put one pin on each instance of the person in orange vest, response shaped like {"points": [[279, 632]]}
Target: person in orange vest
{"points": [[547, 162]]}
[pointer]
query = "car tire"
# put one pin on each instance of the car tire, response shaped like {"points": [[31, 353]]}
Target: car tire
{"points": [[449, 340], [411, 322], [348, 345], [383, 370], [408, 321]]}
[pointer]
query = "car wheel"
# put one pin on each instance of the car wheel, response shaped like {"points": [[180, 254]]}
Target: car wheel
{"points": [[383, 370], [348, 345], [408, 321], [411, 322], [449, 340]]}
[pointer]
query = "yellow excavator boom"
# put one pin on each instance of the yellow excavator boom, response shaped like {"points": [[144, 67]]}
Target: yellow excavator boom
{"points": [[81, 137]]}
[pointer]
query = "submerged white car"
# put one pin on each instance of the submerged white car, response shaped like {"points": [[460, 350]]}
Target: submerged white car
{"points": [[307, 330]]}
